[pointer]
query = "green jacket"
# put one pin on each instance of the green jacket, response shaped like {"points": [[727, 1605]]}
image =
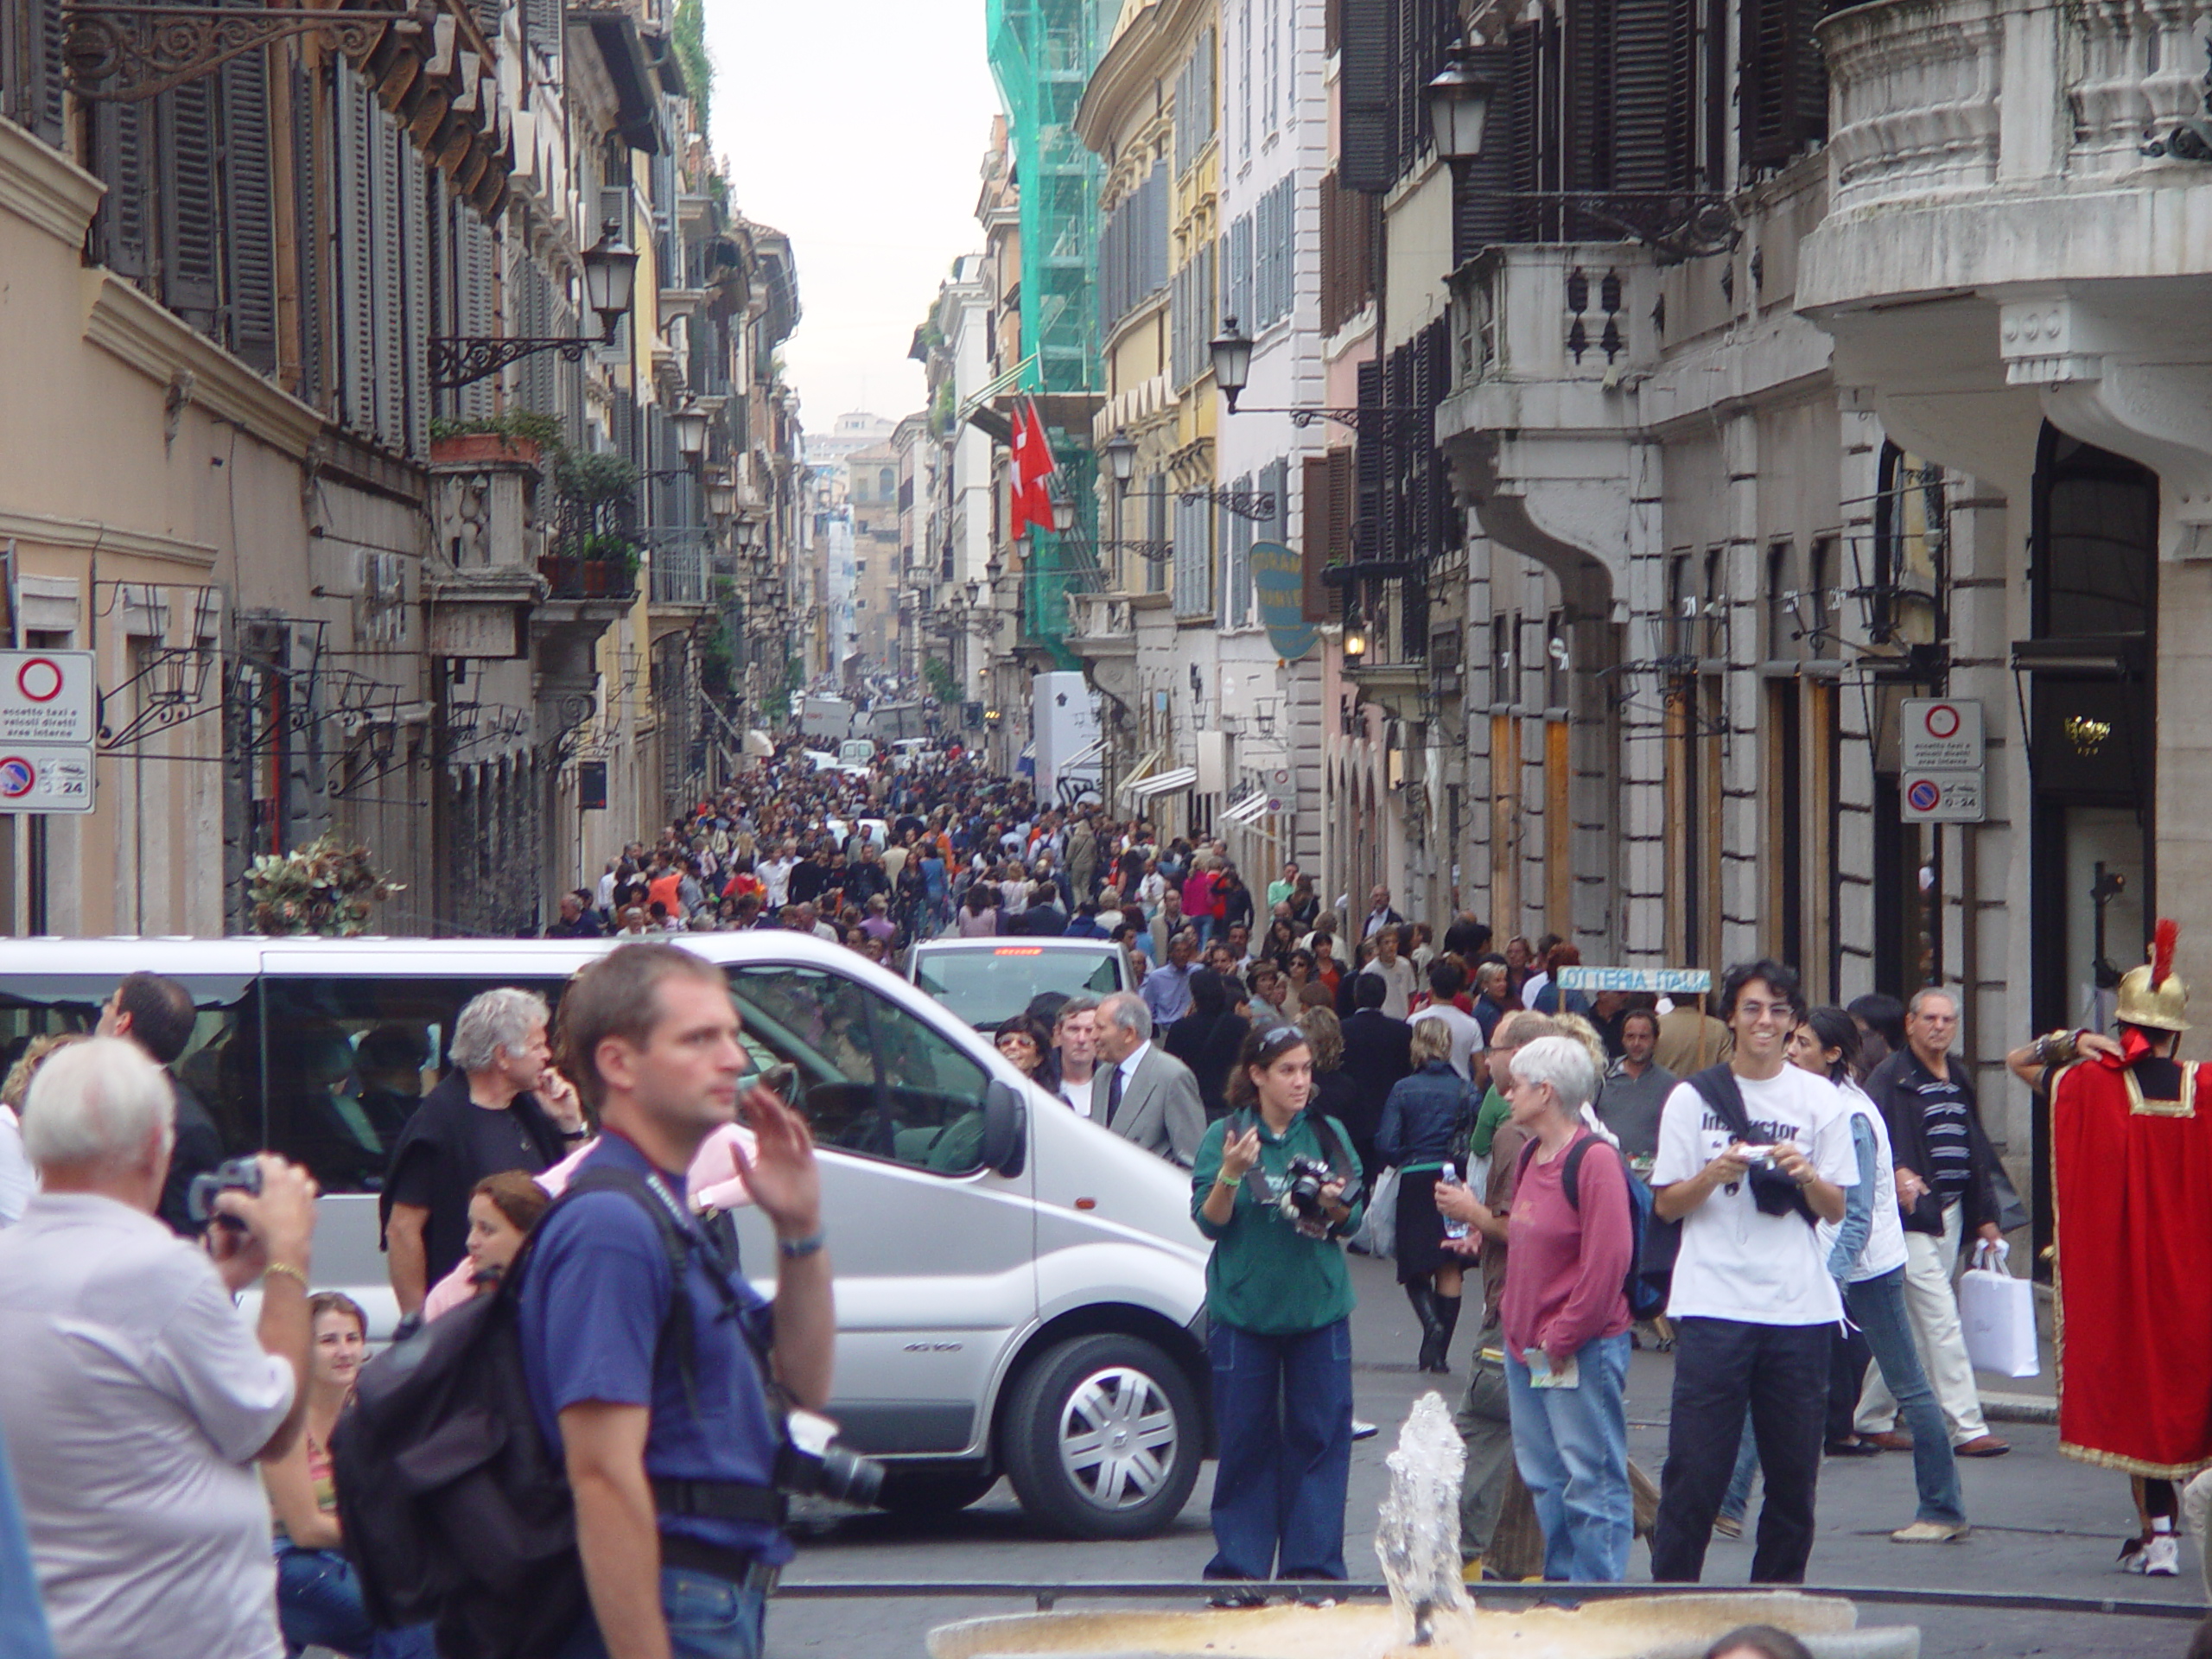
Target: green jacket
{"points": [[1495, 1111], [1264, 1275]]}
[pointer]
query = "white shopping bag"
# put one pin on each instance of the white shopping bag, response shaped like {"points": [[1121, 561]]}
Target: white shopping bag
{"points": [[1378, 1228], [1998, 1312]]}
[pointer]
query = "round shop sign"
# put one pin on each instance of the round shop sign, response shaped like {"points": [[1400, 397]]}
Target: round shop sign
{"points": [[1922, 794], [40, 679], [17, 777]]}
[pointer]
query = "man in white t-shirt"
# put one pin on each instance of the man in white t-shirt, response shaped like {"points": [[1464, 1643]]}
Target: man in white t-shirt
{"points": [[1075, 1036], [1752, 1155]]}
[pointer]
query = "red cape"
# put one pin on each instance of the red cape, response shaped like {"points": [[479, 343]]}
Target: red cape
{"points": [[2131, 1181]]}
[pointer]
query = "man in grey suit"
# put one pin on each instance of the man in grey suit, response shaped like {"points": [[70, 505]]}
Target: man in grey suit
{"points": [[1149, 1095]]}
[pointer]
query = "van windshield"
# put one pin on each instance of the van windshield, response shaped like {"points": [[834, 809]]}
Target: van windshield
{"points": [[986, 987]]}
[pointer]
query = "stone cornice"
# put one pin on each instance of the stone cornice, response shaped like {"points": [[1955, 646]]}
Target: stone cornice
{"points": [[159, 345], [1149, 49], [44, 529], [44, 187]]}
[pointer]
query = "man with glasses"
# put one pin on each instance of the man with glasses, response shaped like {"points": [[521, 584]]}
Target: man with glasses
{"points": [[1753, 1155], [1944, 1187]]}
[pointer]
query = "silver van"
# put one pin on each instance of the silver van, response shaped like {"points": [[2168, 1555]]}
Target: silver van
{"points": [[1018, 1291]]}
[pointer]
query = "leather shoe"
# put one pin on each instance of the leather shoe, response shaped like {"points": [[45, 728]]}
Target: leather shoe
{"points": [[1853, 1448], [1982, 1446], [1889, 1440]]}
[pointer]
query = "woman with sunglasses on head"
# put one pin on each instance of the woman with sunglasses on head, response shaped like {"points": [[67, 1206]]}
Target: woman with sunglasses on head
{"points": [[1026, 1039], [1277, 1187]]}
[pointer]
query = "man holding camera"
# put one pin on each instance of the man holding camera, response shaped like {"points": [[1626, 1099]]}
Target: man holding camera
{"points": [[672, 1447], [1753, 1154], [139, 1397]]}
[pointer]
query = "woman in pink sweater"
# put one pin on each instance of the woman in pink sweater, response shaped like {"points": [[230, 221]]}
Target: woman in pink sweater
{"points": [[1566, 1318]]}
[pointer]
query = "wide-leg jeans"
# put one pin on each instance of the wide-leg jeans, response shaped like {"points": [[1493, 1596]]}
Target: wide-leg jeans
{"points": [[1571, 1445], [1283, 1407]]}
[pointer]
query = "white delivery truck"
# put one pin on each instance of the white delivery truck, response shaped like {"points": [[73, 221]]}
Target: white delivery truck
{"points": [[826, 718]]}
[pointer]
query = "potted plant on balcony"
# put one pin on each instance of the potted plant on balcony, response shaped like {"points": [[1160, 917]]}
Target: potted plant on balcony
{"points": [[610, 565], [518, 434]]}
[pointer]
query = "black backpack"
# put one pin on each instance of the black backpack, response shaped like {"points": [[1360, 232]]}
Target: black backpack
{"points": [[1646, 1299], [453, 1506]]}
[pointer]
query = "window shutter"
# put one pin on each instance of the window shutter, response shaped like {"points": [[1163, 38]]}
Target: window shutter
{"points": [[123, 231], [1366, 80], [36, 84], [249, 217], [415, 309], [1784, 83], [1481, 214], [1654, 86], [311, 228], [184, 120], [1368, 526], [357, 357]]}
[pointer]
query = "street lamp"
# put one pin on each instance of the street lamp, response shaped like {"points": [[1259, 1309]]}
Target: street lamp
{"points": [[1355, 640], [610, 277], [1121, 454], [1232, 361], [610, 285], [690, 424], [1459, 102], [722, 502]]}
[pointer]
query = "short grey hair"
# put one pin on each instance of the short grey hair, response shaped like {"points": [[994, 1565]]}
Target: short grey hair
{"points": [[1927, 991], [1073, 1006], [1561, 1062], [1127, 1010], [497, 1020], [97, 1103]]}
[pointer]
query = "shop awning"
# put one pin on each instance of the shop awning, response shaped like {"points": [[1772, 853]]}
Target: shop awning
{"points": [[1172, 782], [1251, 809], [1084, 759]]}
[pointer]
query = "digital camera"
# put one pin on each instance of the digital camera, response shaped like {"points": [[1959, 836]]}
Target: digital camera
{"points": [[239, 1175], [810, 1464]]}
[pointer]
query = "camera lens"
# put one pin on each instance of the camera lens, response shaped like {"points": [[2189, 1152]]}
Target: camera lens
{"points": [[850, 1479]]}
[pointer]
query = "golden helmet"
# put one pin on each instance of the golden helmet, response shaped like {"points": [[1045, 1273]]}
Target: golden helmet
{"points": [[2153, 995]]}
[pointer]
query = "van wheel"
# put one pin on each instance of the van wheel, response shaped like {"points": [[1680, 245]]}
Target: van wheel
{"points": [[932, 1494], [1102, 1439]]}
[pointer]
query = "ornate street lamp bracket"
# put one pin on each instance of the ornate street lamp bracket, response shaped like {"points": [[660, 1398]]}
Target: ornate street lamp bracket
{"points": [[1255, 504], [464, 358], [124, 54]]}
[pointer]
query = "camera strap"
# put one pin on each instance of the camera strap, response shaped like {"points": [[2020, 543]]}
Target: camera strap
{"points": [[1333, 1152]]}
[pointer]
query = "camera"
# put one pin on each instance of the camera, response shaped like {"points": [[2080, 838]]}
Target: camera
{"points": [[239, 1175], [810, 1464], [1301, 1194]]}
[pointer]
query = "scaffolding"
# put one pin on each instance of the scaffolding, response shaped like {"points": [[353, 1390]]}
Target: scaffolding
{"points": [[1041, 55]]}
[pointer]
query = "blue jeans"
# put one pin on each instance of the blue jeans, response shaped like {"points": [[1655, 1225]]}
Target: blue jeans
{"points": [[318, 1605], [1283, 1405], [707, 1618], [1877, 1307], [1571, 1445]]}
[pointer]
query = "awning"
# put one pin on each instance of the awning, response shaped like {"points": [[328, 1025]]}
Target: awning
{"points": [[1143, 769], [1251, 809], [1084, 759], [1172, 782], [759, 745]]}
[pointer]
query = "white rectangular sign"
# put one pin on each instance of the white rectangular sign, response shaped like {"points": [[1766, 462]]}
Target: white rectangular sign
{"points": [[1939, 735], [33, 779], [1941, 797], [47, 696], [1667, 982]]}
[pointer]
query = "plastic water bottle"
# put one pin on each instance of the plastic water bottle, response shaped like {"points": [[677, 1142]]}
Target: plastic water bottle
{"points": [[1449, 1176]]}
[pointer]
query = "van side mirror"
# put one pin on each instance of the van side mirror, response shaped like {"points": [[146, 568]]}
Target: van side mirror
{"points": [[1006, 1128]]}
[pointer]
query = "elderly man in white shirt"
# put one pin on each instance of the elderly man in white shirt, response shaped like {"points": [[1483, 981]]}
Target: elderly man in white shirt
{"points": [[138, 1398]]}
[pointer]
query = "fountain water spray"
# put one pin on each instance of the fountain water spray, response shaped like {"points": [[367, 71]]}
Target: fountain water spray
{"points": [[1417, 1537]]}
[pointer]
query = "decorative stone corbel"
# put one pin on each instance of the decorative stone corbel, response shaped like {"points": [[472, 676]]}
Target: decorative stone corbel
{"points": [[2102, 380]]}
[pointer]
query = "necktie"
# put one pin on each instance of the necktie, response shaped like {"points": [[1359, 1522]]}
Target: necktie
{"points": [[1113, 1096]]}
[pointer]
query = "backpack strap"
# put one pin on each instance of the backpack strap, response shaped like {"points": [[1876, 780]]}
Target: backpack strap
{"points": [[1570, 1175]]}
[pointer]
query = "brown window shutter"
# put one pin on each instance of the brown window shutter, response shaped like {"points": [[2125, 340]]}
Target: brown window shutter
{"points": [[1314, 554]]}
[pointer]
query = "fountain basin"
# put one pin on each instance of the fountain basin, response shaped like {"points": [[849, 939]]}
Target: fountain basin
{"points": [[1628, 1627]]}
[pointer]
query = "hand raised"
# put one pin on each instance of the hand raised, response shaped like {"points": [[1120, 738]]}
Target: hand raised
{"points": [[781, 1173]]}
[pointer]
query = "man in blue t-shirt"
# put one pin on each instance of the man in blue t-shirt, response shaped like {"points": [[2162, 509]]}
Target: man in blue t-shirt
{"points": [[673, 1474]]}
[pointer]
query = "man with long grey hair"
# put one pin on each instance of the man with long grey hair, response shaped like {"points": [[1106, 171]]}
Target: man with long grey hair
{"points": [[503, 1107], [139, 1396]]}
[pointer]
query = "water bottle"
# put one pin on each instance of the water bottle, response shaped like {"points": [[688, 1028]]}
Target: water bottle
{"points": [[1449, 1176]]}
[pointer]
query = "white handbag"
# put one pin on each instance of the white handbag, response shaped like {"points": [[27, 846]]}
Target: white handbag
{"points": [[1998, 1312]]}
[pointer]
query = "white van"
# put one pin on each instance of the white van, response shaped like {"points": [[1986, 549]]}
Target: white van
{"points": [[1018, 1291]]}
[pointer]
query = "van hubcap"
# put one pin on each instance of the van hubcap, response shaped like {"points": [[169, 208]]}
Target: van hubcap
{"points": [[1117, 1437]]}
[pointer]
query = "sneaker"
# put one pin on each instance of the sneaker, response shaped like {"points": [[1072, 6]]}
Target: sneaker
{"points": [[1728, 1526], [1361, 1431], [1931, 1532], [1235, 1598], [2162, 1555]]}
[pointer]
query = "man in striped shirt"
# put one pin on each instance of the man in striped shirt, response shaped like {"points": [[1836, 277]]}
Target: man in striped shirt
{"points": [[1943, 1170]]}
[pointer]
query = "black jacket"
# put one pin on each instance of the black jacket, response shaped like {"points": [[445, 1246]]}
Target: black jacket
{"points": [[1422, 1114], [1378, 1051], [1892, 1086]]}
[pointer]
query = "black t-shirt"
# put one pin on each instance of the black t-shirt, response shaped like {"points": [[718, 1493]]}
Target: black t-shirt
{"points": [[448, 1146]]}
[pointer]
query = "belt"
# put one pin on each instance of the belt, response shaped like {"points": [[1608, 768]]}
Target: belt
{"points": [[734, 1566], [719, 1500]]}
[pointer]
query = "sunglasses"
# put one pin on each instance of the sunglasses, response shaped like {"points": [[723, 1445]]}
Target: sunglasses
{"points": [[1280, 1040]]}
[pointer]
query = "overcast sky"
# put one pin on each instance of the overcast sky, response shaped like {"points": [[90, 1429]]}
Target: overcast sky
{"points": [[857, 128]]}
